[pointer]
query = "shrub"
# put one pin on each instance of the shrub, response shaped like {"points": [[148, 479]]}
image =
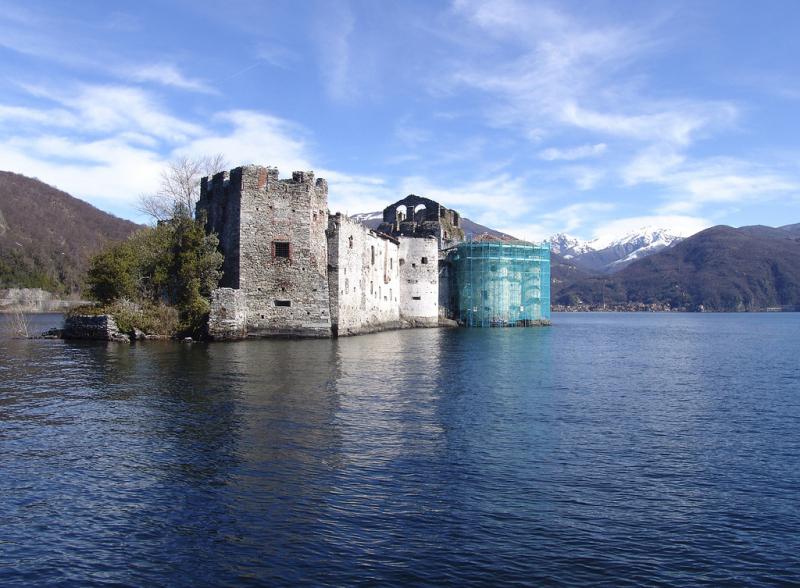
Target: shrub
{"points": [[163, 273]]}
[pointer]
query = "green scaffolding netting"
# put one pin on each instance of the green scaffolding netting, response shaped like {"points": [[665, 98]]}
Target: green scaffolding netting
{"points": [[500, 283]]}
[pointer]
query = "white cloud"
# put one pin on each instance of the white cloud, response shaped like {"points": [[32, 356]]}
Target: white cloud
{"points": [[573, 153], [351, 194], [652, 164], [52, 117], [246, 136], [499, 197], [725, 182], [671, 123], [109, 109], [563, 220], [168, 74], [120, 139], [108, 173], [691, 185]]}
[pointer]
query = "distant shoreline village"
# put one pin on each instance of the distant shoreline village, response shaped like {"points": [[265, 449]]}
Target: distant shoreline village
{"points": [[292, 269]]}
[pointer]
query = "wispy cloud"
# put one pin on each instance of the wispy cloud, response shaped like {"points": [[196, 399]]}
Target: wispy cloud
{"points": [[572, 153], [334, 27], [168, 74], [689, 185]]}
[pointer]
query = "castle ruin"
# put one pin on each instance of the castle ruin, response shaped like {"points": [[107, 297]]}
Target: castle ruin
{"points": [[293, 269]]}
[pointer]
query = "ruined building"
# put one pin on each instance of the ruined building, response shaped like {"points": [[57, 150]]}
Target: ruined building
{"points": [[415, 216], [292, 269]]}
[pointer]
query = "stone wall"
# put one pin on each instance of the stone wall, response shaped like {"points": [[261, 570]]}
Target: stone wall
{"points": [[363, 278], [272, 233], [99, 327], [220, 204], [228, 315], [291, 269], [419, 280], [416, 216]]}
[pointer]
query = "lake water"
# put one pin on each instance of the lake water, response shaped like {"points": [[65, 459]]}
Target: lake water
{"points": [[616, 449]]}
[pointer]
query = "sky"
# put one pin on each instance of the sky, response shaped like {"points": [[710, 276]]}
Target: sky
{"points": [[590, 118]]}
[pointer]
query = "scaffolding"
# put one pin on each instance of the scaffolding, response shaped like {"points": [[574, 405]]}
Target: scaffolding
{"points": [[500, 283]]}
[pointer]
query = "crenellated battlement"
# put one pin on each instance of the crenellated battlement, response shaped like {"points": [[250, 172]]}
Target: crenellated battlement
{"points": [[258, 177]]}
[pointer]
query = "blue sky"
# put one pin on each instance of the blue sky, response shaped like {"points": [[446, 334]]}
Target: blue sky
{"points": [[591, 118]]}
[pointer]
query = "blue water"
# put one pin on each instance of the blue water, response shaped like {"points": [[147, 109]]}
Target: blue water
{"points": [[609, 449]]}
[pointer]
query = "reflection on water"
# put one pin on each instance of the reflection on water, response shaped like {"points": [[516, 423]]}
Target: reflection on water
{"points": [[617, 449]]}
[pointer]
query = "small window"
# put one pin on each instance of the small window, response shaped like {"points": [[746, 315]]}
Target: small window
{"points": [[372, 248], [416, 298], [283, 303], [424, 260], [391, 263], [350, 242], [402, 261], [371, 290], [282, 249]]}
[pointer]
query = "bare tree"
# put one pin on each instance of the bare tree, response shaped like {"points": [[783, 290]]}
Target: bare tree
{"points": [[180, 187], [20, 324]]}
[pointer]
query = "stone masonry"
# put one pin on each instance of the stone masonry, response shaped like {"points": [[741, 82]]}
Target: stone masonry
{"points": [[415, 216], [363, 278], [292, 269], [272, 235]]}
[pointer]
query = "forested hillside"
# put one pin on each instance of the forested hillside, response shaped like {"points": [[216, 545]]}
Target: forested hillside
{"points": [[47, 236]]}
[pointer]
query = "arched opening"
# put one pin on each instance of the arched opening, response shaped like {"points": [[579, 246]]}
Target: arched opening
{"points": [[420, 213], [401, 213]]}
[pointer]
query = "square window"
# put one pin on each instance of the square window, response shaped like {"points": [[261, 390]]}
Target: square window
{"points": [[424, 260], [282, 249]]}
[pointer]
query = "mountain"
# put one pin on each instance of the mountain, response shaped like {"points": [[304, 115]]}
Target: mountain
{"points": [[47, 236], [793, 229], [471, 228], [613, 255], [568, 246], [721, 269]]}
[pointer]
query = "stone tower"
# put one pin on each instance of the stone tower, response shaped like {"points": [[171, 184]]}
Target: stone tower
{"points": [[272, 235]]}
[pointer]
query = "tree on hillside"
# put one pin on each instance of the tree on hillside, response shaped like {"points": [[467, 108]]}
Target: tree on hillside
{"points": [[180, 187]]}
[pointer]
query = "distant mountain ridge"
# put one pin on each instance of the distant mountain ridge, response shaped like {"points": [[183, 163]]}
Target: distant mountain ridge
{"points": [[613, 255], [48, 236], [721, 268]]}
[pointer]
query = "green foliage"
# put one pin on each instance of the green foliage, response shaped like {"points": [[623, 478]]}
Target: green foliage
{"points": [[173, 265], [18, 271]]}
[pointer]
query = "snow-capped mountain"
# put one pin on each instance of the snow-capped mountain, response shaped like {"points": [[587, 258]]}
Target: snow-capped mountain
{"points": [[368, 218], [643, 243], [614, 253], [568, 246]]}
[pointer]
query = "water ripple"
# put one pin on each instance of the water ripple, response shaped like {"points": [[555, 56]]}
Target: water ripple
{"points": [[626, 450]]}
